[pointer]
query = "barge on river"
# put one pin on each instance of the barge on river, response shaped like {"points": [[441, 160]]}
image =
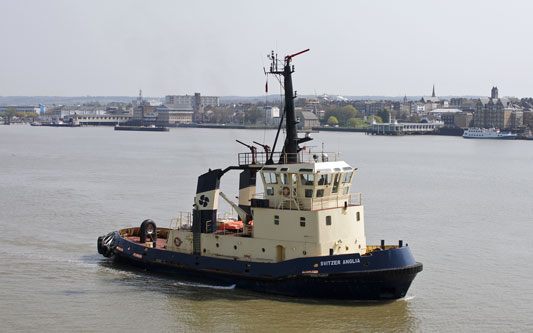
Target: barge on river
{"points": [[303, 237]]}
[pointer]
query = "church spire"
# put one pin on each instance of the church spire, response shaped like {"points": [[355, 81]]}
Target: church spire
{"points": [[433, 94]]}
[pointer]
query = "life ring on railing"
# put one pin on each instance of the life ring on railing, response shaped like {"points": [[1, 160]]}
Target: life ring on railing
{"points": [[286, 191], [177, 241]]}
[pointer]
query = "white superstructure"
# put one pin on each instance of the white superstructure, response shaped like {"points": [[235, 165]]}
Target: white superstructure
{"points": [[306, 210], [487, 133]]}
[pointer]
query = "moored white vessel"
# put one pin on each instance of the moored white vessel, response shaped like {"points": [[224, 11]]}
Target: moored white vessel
{"points": [[487, 133]]}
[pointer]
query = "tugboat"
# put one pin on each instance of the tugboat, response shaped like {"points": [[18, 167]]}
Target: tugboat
{"points": [[303, 237]]}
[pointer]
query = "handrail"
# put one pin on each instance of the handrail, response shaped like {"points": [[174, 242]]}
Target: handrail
{"points": [[302, 157], [352, 199]]}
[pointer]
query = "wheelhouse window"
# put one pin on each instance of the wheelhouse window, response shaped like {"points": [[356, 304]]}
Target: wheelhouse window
{"points": [[324, 179], [270, 178], [308, 179], [347, 177], [335, 188], [284, 178]]}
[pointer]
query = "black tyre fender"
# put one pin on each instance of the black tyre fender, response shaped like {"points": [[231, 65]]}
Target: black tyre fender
{"points": [[148, 231], [99, 245]]}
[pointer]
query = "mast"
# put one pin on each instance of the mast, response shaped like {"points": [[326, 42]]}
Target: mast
{"points": [[291, 146]]}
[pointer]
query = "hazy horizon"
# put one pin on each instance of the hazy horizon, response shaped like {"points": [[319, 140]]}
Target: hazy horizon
{"points": [[358, 48]]}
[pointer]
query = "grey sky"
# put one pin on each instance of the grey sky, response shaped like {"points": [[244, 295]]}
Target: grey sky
{"points": [[368, 47]]}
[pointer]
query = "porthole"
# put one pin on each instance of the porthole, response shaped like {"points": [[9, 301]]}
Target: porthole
{"points": [[304, 252], [263, 249], [235, 247], [205, 250], [217, 244]]}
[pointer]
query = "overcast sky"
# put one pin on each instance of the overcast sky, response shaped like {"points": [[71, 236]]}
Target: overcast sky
{"points": [[371, 47]]}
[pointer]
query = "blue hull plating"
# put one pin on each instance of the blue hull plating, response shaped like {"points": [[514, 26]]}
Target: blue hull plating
{"points": [[382, 275]]}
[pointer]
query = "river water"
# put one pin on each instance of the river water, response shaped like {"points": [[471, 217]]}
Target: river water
{"points": [[464, 206]]}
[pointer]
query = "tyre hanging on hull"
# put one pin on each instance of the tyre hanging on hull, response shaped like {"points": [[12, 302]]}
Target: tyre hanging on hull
{"points": [[106, 244], [99, 245], [148, 231]]}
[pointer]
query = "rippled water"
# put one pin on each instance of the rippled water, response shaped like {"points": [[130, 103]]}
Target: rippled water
{"points": [[464, 207]]}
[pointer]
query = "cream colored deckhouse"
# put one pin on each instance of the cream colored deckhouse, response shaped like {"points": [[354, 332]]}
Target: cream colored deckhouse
{"points": [[306, 209]]}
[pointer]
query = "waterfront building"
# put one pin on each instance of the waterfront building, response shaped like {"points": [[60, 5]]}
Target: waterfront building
{"points": [[145, 111], [445, 115], [463, 119], [464, 104], [272, 115], [173, 114], [308, 120], [66, 112], [517, 119], [196, 102], [268, 115], [98, 119], [495, 112], [397, 128], [369, 108], [527, 118], [20, 108]]}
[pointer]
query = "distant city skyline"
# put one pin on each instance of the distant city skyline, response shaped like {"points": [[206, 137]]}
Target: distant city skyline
{"points": [[358, 48]]}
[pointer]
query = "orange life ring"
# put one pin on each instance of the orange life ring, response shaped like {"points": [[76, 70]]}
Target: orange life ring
{"points": [[177, 241], [286, 191]]}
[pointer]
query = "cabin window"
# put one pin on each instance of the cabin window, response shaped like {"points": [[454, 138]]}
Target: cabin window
{"points": [[328, 220], [294, 179], [308, 179], [346, 189], [270, 191], [358, 216], [276, 221], [325, 179], [347, 177], [302, 221], [309, 193], [335, 188], [270, 178], [320, 193], [284, 178]]}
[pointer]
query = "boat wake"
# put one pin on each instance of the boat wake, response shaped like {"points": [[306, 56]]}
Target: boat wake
{"points": [[201, 285]]}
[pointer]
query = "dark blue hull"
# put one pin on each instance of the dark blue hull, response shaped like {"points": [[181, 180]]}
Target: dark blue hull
{"points": [[383, 275]]}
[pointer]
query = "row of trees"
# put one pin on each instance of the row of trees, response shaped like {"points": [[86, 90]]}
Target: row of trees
{"points": [[348, 116], [12, 112]]}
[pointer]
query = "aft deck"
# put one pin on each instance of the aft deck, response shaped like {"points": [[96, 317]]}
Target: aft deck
{"points": [[132, 235]]}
